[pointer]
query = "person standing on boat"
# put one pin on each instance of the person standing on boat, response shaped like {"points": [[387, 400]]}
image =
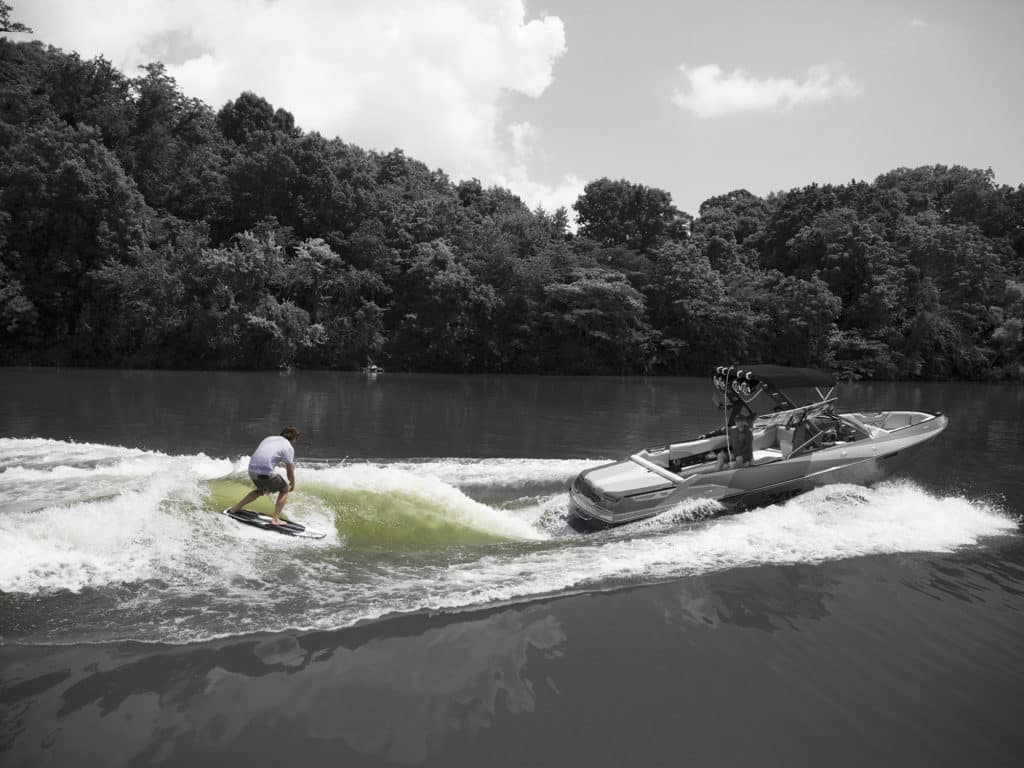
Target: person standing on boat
{"points": [[736, 407], [272, 452], [742, 441]]}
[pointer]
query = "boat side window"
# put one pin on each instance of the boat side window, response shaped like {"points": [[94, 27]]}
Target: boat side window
{"points": [[813, 432], [802, 437], [685, 462], [829, 425], [848, 433]]}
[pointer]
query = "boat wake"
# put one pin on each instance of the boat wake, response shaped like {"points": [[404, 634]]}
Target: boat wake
{"points": [[134, 535]]}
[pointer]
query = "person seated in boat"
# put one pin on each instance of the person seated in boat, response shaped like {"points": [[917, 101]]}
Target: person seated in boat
{"points": [[721, 459], [742, 440], [805, 436], [712, 461], [826, 431]]}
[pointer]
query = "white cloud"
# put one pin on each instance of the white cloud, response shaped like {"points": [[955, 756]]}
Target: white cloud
{"points": [[523, 136], [517, 178], [549, 197], [712, 93], [918, 23], [428, 77]]}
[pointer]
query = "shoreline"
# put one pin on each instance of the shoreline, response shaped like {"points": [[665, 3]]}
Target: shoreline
{"points": [[388, 373]]}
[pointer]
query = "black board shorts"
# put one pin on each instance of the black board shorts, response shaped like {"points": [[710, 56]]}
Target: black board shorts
{"points": [[269, 483]]}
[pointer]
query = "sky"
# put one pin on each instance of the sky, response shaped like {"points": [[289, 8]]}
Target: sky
{"points": [[543, 96]]}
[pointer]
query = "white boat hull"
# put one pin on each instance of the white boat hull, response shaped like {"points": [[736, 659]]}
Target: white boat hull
{"points": [[641, 487]]}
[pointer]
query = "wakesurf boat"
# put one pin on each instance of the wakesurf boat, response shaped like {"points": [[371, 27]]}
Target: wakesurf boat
{"points": [[799, 442]]}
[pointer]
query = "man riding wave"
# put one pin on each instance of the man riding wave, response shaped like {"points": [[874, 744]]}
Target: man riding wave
{"points": [[272, 452]]}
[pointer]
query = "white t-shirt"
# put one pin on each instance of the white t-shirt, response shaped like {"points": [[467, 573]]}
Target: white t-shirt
{"points": [[272, 452]]}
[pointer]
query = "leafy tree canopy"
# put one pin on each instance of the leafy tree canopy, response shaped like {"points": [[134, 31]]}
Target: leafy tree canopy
{"points": [[139, 227]]}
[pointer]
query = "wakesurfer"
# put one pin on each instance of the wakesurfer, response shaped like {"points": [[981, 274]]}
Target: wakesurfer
{"points": [[274, 451]]}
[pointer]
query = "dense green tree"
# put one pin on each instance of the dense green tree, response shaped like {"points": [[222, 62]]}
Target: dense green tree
{"points": [[92, 93], [70, 207], [175, 152], [623, 213], [18, 315], [857, 264], [1013, 210], [734, 216], [140, 228], [252, 117], [928, 347], [689, 304], [442, 314], [1008, 336], [6, 25], [141, 305], [340, 299], [798, 317], [790, 212], [270, 180], [23, 96], [594, 323]]}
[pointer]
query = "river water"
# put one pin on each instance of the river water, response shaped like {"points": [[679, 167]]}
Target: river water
{"points": [[450, 616]]}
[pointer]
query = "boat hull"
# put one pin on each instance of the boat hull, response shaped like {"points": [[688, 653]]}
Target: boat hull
{"points": [[624, 492]]}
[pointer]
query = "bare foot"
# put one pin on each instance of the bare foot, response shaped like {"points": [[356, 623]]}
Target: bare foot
{"points": [[278, 522]]}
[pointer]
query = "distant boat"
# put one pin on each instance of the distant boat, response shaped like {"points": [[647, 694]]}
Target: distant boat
{"points": [[372, 369], [795, 448]]}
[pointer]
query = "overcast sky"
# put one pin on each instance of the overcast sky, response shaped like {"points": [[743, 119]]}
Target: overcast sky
{"points": [[543, 96]]}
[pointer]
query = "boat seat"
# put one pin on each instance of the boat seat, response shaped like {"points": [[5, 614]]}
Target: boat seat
{"points": [[695, 447], [764, 455], [702, 469], [766, 438], [761, 456], [785, 440]]}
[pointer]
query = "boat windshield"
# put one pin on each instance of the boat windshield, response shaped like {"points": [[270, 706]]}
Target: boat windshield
{"points": [[793, 415]]}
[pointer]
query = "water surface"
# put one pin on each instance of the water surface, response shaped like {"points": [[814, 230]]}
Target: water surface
{"points": [[452, 617]]}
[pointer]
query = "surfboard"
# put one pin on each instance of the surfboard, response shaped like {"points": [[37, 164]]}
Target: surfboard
{"points": [[261, 520]]}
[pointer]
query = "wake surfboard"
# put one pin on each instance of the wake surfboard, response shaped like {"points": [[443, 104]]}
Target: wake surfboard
{"points": [[261, 520]]}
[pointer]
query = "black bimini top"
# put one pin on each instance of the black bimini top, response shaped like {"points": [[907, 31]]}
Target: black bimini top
{"points": [[778, 375], [745, 380]]}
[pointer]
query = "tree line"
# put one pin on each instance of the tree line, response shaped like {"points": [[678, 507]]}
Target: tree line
{"points": [[141, 228]]}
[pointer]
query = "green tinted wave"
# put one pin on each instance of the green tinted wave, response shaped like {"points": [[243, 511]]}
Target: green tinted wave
{"points": [[367, 519], [394, 519], [225, 492]]}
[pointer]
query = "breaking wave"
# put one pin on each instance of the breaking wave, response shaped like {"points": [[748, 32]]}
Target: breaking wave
{"points": [[136, 535]]}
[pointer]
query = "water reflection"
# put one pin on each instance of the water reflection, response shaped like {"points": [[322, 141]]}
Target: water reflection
{"points": [[418, 415], [768, 598], [394, 697], [349, 414], [995, 575], [775, 598], [881, 639]]}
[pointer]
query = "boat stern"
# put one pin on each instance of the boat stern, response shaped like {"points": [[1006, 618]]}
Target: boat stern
{"points": [[619, 492]]}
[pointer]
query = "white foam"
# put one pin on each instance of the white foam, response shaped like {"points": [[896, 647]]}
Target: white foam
{"points": [[135, 517], [40, 460], [822, 525], [508, 473], [92, 543], [30, 459], [83, 515], [89, 515]]}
